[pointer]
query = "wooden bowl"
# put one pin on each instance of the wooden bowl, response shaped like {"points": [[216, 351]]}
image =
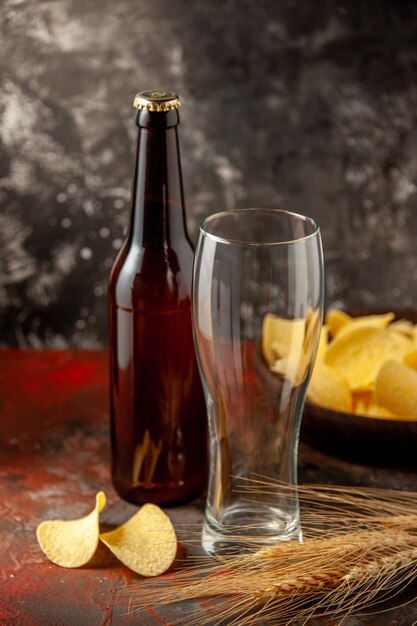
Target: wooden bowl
{"points": [[361, 438]]}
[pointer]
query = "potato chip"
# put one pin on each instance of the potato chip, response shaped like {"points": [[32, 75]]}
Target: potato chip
{"points": [[366, 321], [146, 543], [359, 348], [359, 354], [312, 332], [323, 343], [410, 359], [293, 368], [360, 408], [329, 388], [402, 326], [396, 389], [362, 399], [281, 336], [293, 344], [372, 409], [335, 320], [71, 543], [376, 410]]}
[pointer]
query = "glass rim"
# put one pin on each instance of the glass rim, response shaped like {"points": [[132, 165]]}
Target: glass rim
{"points": [[239, 242]]}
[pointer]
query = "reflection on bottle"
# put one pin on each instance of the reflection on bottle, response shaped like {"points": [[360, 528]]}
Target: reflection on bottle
{"points": [[176, 456], [144, 462]]}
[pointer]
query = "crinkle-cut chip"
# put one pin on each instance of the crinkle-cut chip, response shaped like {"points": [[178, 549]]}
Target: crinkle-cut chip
{"points": [[360, 353], [396, 389], [366, 321], [403, 326], [71, 543], [146, 543], [410, 359], [335, 320], [280, 336], [329, 388]]}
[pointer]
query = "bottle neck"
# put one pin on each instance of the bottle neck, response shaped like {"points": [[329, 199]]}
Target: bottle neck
{"points": [[158, 214]]}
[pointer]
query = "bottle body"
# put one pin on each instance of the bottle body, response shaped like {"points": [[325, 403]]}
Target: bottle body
{"points": [[158, 418]]}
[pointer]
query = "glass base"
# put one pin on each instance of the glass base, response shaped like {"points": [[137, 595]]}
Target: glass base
{"points": [[247, 528]]}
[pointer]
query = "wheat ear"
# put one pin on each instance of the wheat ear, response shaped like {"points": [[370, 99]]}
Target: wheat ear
{"points": [[361, 548]]}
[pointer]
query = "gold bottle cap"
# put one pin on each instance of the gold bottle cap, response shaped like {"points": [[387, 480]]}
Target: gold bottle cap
{"points": [[156, 100]]}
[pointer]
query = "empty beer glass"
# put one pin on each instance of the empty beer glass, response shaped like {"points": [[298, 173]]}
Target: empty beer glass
{"points": [[257, 313]]}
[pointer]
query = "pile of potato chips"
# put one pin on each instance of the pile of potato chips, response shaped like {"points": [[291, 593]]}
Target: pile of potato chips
{"points": [[146, 543], [367, 366]]}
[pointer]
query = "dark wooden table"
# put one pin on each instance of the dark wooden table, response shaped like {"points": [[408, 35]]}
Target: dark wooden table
{"points": [[54, 457]]}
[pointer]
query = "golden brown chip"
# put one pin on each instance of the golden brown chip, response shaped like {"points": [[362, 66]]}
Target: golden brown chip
{"points": [[410, 359], [329, 388], [294, 368], [323, 343], [396, 389], [359, 354], [362, 400], [281, 336], [404, 327], [359, 348], [146, 543], [366, 321], [372, 409], [312, 332], [293, 346], [71, 543], [335, 320]]}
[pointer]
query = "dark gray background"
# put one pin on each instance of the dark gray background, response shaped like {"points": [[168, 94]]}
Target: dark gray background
{"points": [[307, 105]]}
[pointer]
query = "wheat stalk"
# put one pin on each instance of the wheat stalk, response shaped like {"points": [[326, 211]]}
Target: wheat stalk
{"points": [[360, 548]]}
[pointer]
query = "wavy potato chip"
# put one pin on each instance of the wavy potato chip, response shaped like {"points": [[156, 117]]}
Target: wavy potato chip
{"points": [[359, 354], [312, 326], [146, 543], [364, 403], [376, 410], [396, 389], [71, 543], [323, 343], [288, 346], [335, 320], [372, 410], [362, 399], [410, 359], [358, 351], [366, 321], [281, 336], [329, 388], [404, 327], [293, 368]]}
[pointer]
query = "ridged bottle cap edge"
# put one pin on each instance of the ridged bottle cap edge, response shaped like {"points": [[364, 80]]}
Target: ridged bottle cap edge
{"points": [[156, 100]]}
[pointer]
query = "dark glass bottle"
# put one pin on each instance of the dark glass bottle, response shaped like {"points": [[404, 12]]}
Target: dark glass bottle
{"points": [[158, 415]]}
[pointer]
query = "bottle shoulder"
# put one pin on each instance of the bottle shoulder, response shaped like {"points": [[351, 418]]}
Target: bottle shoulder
{"points": [[157, 276]]}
